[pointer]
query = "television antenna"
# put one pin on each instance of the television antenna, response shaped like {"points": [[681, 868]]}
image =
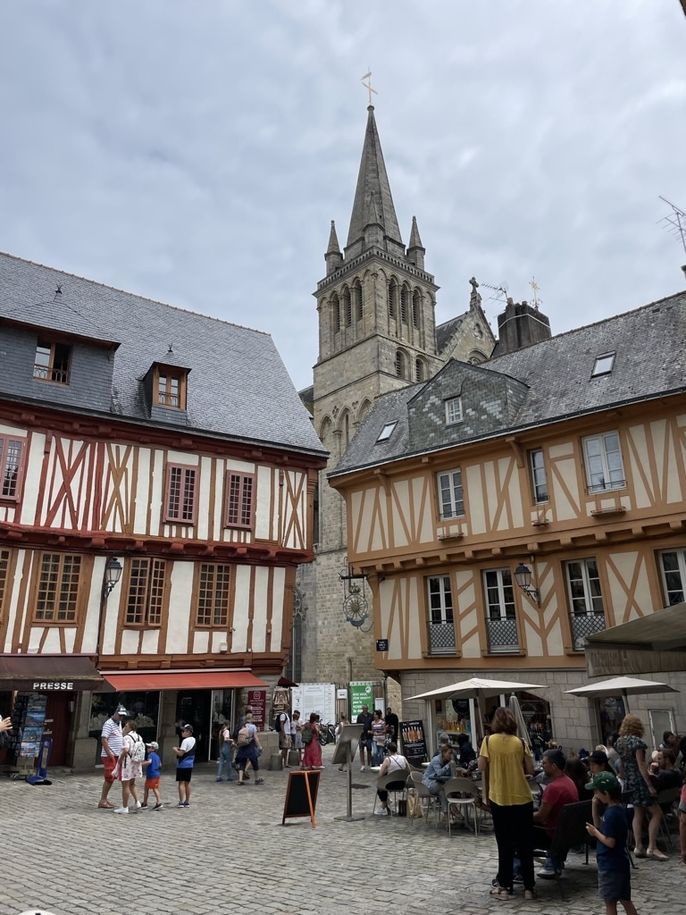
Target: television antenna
{"points": [[676, 221]]}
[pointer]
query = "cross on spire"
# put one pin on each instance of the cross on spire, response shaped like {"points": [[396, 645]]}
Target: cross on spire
{"points": [[368, 86]]}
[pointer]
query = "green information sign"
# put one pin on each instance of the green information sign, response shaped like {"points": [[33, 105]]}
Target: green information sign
{"points": [[361, 693]]}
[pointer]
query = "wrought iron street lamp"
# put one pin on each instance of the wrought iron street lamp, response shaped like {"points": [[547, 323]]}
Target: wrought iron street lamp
{"points": [[113, 570], [523, 576]]}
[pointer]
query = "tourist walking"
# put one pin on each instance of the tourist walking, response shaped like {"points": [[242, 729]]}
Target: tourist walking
{"points": [[130, 766], [392, 724], [639, 787], [111, 740], [225, 758], [378, 738], [296, 734], [365, 719], [153, 769], [312, 757], [248, 751], [284, 737], [505, 761], [185, 760]]}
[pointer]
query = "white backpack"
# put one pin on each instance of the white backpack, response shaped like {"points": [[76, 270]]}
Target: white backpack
{"points": [[137, 751]]}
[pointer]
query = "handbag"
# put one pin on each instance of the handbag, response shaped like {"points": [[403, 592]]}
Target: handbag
{"points": [[414, 804]]}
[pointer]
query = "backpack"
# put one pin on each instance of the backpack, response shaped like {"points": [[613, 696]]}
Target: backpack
{"points": [[244, 737], [307, 734], [137, 752]]}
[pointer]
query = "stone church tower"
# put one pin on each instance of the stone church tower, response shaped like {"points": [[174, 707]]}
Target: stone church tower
{"points": [[377, 332]]}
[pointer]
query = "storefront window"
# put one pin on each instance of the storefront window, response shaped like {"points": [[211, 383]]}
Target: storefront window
{"points": [[144, 707], [452, 717]]}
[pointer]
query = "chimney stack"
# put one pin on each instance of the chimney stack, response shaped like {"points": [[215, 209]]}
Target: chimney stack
{"points": [[520, 325]]}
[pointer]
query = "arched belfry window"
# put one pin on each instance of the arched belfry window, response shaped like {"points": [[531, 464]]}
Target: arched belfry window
{"points": [[419, 370], [335, 313], [400, 369], [416, 307], [392, 299], [347, 307], [404, 304], [357, 300]]}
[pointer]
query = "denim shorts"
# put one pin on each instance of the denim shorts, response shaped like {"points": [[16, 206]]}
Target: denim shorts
{"points": [[614, 885]]}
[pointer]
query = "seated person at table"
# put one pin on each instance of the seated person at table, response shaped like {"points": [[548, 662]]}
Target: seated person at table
{"points": [[578, 773], [667, 775], [393, 762], [559, 791], [438, 772], [466, 752]]}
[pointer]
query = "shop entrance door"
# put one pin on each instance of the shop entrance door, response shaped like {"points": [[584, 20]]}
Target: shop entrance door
{"points": [[194, 707], [57, 723]]}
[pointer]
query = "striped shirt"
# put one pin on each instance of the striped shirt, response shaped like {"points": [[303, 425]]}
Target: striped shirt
{"points": [[111, 730]]}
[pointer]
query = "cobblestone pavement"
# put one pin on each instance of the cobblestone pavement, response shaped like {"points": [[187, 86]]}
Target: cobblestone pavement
{"points": [[229, 851]]}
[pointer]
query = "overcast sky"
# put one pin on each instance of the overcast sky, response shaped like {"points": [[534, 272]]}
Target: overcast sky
{"points": [[194, 152]]}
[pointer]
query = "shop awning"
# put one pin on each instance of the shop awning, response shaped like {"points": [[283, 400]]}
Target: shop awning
{"points": [[656, 642], [49, 673], [133, 680]]}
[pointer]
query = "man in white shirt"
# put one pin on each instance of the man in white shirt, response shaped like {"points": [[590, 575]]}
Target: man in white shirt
{"points": [[111, 740], [284, 737]]}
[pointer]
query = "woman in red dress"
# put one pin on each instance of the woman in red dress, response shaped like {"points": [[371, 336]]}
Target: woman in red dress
{"points": [[312, 757]]}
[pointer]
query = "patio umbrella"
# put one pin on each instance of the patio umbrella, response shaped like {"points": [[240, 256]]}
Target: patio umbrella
{"points": [[522, 729], [623, 686]]}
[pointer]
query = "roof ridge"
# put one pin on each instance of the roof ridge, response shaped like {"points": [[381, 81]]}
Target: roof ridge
{"points": [[85, 279], [576, 330]]}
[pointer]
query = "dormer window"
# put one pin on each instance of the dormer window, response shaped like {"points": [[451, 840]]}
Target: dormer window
{"points": [[603, 365], [386, 432], [453, 411], [169, 387], [52, 361]]}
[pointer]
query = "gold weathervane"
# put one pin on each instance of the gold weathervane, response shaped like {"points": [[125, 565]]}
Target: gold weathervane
{"points": [[535, 289], [368, 86]]}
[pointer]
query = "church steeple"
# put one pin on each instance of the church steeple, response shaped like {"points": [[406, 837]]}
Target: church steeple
{"points": [[333, 256], [416, 250], [373, 205]]}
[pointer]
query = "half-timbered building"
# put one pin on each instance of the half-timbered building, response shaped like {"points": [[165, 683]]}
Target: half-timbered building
{"points": [[504, 512], [157, 472]]}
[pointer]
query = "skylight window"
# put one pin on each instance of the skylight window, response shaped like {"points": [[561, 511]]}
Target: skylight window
{"points": [[603, 365], [387, 432]]}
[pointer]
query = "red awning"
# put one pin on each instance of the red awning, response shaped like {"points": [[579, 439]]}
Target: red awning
{"points": [[181, 679]]}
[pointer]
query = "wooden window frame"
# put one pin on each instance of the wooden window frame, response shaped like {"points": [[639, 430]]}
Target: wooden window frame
{"points": [[43, 343], [210, 619], [450, 415], [53, 619], [5, 576], [680, 570], [157, 580], [532, 476], [181, 375], [5, 442], [606, 485], [454, 501], [243, 477], [185, 470]]}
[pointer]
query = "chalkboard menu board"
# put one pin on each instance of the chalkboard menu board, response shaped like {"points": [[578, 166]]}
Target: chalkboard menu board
{"points": [[301, 795]]}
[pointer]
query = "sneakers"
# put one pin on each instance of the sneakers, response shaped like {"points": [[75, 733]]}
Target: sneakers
{"points": [[158, 807], [240, 783], [183, 804], [259, 781], [362, 768], [121, 810], [548, 872], [139, 805], [143, 807], [380, 813], [219, 779]]}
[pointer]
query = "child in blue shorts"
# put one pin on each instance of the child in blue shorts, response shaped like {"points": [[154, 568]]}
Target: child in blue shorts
{"points": [[153, 767], [610, 830]]}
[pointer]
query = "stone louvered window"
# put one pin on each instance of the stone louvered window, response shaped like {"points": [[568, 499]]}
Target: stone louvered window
{"points": [[145, 592], [240, 490], [11, 466], [181, 493], [214, 580], [58, 587]]}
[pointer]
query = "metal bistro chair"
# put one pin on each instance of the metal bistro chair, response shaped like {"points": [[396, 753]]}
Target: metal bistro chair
{"points": [[463, 794], [429, 801], [393, 782], [667, 798]]}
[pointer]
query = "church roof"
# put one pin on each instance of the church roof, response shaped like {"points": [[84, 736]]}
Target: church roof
{"points": [[373, 201], [446, 331], [238, 385], [649, 347]]}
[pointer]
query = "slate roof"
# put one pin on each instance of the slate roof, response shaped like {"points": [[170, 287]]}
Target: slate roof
{"points": [[650, 347], [238, 385], [445, 331]]}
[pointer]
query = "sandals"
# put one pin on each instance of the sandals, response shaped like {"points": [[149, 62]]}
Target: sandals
{"points": [[500, 892], [657, 855], [106, 805]]}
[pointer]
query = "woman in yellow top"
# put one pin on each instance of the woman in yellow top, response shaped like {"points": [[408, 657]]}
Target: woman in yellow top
{"points": [[505, 761]]}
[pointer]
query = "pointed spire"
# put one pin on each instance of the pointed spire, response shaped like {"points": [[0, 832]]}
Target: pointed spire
{"points": [[475, 297], [416, 250], [334, 247], [373, 202], [415, 240]]}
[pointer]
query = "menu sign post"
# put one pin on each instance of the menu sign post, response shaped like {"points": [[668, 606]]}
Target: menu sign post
{"points": [[257, 700], [413, 741]]}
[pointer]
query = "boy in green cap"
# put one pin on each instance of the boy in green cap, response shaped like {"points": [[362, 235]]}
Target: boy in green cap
{"points": [[610, 830]]}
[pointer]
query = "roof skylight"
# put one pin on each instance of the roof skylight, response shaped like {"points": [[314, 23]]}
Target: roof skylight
{"points": [[603, 364], [387, 431]]}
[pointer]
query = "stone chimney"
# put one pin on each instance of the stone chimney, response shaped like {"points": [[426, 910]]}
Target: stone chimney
{"points": [[520, 325]]}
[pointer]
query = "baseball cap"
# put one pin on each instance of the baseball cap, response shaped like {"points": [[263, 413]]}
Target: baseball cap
{"points": [[187, 727], [153, 745], [603, 781], [121, 711]]}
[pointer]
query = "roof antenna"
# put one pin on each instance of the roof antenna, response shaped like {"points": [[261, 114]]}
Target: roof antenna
{"points": [[676, 223], [58, 291], [170, 350]]}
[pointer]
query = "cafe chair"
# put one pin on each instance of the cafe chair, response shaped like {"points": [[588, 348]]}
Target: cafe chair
{"points": [[462, 795], [430, 802], [395, 783], [667, 798]]}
